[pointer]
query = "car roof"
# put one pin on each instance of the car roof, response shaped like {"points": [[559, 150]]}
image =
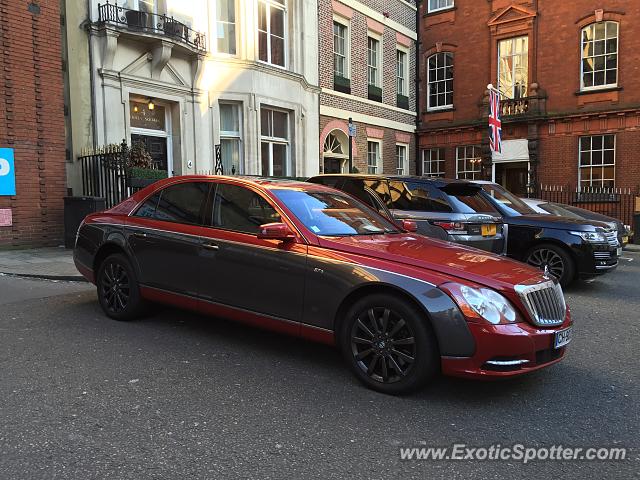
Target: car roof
{"points": [[268, 183], [436, 181]]}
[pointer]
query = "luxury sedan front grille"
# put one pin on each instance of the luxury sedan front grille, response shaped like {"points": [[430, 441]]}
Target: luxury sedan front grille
{"points": [[602, 255], [544, 303]]}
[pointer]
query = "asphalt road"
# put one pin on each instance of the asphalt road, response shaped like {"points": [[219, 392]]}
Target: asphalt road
{"points": [[178, 396]]}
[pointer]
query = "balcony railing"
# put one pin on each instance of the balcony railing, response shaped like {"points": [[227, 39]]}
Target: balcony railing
{"points": [[514, 106], [139, 21]]}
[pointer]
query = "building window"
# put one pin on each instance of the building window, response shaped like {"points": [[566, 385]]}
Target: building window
{"points": [[435, 5], [225, 27], [373, 61], [599, 55], [147, 6], [597, 164], [401, 72], [401, 159], [231, 138], [433, 162], [272, 20], [468, 162], [513, 67], [440, 81], [374, 159], [275, 143], [340, 50]]}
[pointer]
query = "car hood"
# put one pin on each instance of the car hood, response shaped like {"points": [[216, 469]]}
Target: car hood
{"points": [[553, 221], [441, 257]]}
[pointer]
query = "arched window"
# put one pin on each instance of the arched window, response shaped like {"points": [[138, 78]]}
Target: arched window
{"points": [[599, 56], [335, 152], [440, 81]]}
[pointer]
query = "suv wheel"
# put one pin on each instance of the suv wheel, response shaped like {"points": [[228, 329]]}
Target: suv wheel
{"points": [[118, 290], [556, 259], [388, 344]]}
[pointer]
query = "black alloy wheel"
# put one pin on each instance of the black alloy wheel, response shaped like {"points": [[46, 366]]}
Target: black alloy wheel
{"points": [[553, 259], [389, 344], [118, 290]]}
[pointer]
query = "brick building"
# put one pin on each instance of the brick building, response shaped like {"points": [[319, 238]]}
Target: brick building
{"points": [[567, 73], [32, 122], [367, 73]]}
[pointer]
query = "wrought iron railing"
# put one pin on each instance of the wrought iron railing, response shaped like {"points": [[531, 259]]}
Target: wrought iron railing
{"points": [[514, 106], [137, 20]]}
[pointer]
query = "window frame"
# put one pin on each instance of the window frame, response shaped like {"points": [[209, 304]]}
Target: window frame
{"points": [[467, 159], [214, 38], [405, 162], [374, 36], [280, 6], [582, 59], [405, 70], [231, 134], [271, 140], [429, 83], [431, 161], [526, 87], [600, 166], [379, 164], [347, 46], [441, 9]]}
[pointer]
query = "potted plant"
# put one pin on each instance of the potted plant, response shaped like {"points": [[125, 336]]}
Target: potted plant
{"points": [[140, 167], [136, 19], [174, 28]]}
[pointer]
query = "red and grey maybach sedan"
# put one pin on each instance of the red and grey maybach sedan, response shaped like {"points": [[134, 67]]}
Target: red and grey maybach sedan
{"points": [[311, 261]]}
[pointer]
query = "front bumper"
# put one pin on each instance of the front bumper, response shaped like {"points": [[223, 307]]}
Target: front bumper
{"points": [[596, 259], [507, 351]]}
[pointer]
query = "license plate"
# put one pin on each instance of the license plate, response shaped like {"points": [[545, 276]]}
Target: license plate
{"points": [[562, 338], [619, 252], [488, 230]]}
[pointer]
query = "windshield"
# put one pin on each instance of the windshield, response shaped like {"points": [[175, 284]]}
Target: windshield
{"points": [[509, 203], [559, 210], [466, 199], [334, 214]]}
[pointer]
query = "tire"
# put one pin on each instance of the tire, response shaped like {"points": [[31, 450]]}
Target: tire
{"points": [[377, 360], [559, 261], [118, 289]]}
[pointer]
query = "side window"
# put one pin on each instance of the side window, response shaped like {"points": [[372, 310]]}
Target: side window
{"points": [[182, 203], [418, 197], [380, 187], [241, 210], [355, 188], [148, 208]]}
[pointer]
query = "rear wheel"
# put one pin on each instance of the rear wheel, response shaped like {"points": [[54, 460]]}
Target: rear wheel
{"points": [[558, 262], [388, 344], [118, 290]]}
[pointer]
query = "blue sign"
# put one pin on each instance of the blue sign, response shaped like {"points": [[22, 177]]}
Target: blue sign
{"points": [[7, 172]]}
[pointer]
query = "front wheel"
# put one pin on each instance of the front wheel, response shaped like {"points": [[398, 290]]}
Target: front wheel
{"points": [[555, 259], [388, 344], [118, 290]]}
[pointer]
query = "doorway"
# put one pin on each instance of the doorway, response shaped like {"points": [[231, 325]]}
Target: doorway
{"points": [[514, 176], [151, 126]]}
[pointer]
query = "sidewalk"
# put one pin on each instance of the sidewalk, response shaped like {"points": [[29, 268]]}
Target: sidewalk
{"points": [[55, 263]]}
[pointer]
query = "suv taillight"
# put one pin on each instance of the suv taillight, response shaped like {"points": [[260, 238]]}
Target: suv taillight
{"points": [[453, 228]]}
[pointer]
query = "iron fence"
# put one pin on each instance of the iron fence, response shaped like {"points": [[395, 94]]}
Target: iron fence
{"points": [[104, 173], [137, 20], [614, 202]]}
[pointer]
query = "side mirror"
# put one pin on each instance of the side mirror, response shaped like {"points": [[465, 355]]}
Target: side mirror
{"points": [[275, 231], [409, 225]]}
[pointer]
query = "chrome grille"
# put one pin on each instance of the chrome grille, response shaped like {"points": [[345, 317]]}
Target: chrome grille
{"points": [[544, 303], [612, 238], [602, 255]]}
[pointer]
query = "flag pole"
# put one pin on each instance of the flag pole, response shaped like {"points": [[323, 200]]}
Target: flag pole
{"points": [[491, 87]]}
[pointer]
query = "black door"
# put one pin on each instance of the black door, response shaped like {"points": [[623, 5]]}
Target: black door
{"points": [[157, 148], [164, 237], [243, 271]]}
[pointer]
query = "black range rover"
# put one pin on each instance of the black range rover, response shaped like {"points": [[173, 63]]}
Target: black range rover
{"points": [[569, 248], [452, 210]]}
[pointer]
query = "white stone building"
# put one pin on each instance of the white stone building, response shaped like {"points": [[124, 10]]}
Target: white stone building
{"points": [[183, 76]]}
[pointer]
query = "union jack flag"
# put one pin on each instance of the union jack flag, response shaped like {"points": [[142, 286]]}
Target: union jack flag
{"points": [[495, 124]]}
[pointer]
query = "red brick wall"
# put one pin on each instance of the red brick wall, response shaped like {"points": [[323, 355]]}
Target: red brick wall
{"points": [[32, 121], [471, 31]]}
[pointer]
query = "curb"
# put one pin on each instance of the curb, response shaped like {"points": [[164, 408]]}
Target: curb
{"points": [[62, 278]]}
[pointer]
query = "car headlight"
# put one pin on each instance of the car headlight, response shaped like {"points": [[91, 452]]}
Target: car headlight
{"points": [[483, 304], [591, 237]]}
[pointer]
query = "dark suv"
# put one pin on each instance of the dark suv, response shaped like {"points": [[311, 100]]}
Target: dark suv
{"points": [[452, 210], [566, 247]]}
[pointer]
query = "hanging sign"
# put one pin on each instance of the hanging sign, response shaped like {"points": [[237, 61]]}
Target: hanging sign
{"points": [[7, 172]]}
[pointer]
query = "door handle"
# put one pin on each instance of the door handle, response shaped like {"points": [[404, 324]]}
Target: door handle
{"points": [[139, 234], [210, 246]]}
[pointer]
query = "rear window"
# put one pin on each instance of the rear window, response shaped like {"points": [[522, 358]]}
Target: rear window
{"points": [[417, 197], [469, 200]]}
